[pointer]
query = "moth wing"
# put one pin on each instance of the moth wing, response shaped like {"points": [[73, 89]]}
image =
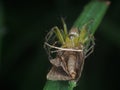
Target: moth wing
{"points": [[64, 66], [56, 62], [57, 73]]}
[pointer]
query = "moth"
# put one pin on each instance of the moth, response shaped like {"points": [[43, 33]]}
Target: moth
{"points": [[67, 51]]}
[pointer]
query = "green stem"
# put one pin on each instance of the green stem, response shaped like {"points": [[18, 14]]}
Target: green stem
{"points": [[59, 85], [95, 11]]}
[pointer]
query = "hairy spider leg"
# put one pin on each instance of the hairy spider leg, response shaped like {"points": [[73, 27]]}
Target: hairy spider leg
{"points": [[91, 48]]}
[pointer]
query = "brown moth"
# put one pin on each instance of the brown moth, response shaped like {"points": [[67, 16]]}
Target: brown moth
{"points": [[67, 66]]}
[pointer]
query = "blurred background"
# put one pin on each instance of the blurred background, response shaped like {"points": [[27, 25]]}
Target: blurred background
{"points": [[23, 60]]}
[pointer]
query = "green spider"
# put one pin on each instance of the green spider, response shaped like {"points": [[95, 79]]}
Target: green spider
{"points": [[67, 51], [72, 41]]}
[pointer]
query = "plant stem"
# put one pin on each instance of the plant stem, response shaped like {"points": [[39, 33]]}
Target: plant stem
{"points": [[58, 85], [95, 11]]}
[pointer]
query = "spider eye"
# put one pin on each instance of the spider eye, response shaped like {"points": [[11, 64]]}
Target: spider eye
{"points": [[73, 35]]}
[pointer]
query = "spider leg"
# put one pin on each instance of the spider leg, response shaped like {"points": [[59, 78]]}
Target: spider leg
{"points": [[47, 38], [91, 48], [59, 34], [49, 35], [64, 27], [50, 51], [50, 39]]}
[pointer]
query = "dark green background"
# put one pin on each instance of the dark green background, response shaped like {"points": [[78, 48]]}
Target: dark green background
{"points": [[23, 60]]}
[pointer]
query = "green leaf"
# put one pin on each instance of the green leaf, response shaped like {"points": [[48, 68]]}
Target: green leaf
{"points": [[59, 85], [95, 11]]}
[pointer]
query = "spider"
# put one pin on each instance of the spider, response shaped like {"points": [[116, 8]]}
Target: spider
{"points": [[76, 40], [67, 51]]}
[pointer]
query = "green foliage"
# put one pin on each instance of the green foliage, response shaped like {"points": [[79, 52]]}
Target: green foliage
{"points": [[94, 12], [61, 85]]}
